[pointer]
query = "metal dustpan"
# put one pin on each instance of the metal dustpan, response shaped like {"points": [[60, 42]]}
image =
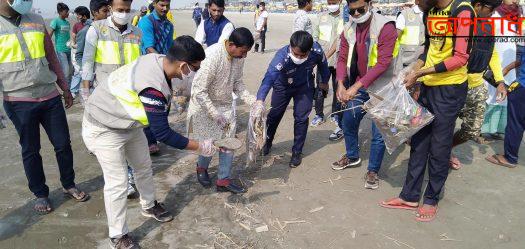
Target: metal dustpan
{"points": [[229, 143]]}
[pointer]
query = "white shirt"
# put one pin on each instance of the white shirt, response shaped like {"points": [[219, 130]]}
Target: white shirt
{"points": [[400, 22], [302, 22], [507, 54], [200, 35], [260, 20]]}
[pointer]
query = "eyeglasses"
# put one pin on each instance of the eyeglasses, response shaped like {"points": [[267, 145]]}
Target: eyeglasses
{"points": [[361, 10]]}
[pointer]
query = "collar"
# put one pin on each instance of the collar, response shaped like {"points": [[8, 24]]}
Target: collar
{"points": [[113, 26], [416, 9], [230, 58]]}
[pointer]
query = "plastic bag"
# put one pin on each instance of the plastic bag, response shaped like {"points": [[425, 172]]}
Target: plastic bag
{"points": [[396, 114], [255, 137]]}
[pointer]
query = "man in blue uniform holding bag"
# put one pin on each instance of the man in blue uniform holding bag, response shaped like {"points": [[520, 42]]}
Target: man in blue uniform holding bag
{"points": [[290, 74]]}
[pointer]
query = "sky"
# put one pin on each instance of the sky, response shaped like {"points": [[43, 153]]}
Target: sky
{"points": [[49, 6]]}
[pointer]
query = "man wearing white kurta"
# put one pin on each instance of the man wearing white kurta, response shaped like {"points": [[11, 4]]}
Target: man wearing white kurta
{"points": [[211, 113]]}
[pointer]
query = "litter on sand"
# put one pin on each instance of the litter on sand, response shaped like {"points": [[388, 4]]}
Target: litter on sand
{"points": [[262, 229], [317, 209]]}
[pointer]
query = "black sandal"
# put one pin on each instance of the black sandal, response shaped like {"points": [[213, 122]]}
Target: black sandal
{"points": [[76, 194], [45, 205]]}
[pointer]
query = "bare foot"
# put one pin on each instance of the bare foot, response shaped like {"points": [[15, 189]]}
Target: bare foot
{"points": [[398, 203], [455, 164]]}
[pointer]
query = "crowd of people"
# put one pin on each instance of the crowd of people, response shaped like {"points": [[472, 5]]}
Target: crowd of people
{"points": [[122, 68]]}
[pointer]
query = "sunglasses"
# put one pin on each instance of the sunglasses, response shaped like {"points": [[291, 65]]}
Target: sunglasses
{"points": [[361, 10]]}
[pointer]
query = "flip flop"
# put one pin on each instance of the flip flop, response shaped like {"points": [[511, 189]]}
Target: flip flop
{"points": [[454, 162], [44, 202], [495, 159], [431, 213], [396, 205], [76, 194]]}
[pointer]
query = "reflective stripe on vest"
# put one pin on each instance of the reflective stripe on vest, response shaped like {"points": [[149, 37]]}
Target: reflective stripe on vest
{"points": [[108, 52], [122, 89], [372, 54], [131, 52], [325, 30], [409, 37], [12, 47]]}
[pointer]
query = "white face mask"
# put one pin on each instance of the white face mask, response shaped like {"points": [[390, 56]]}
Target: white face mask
{"points": [[121, 18], [187, 76], [333, 8], [363, 18], [296, 60]]}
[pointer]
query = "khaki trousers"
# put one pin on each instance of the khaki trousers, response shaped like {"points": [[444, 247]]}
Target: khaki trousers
{"points": [[115, 149]]}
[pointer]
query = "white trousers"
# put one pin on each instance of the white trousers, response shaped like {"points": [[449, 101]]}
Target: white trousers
{"points": [[115, 149]]}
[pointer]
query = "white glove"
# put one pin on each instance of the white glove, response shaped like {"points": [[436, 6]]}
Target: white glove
{"points": [[3, 120], [84, 95], [206, 148], [257, 109], [221, 120]]}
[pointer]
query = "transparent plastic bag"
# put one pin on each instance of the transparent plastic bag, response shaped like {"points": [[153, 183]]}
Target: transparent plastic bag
{"points": [[255, 137], [396, 114]]}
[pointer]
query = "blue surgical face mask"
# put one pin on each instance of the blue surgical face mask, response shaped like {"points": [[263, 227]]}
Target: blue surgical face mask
{"points": [[21, 6]]}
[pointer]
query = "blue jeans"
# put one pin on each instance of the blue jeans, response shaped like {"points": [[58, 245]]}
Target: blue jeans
{"points": [[225, 164], [75, 83], [27, 118], [350, 124], [65, 63]]}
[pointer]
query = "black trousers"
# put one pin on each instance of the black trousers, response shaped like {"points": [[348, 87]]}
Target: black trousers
{"points": [[433, 143], [302, 106], [320, 94], [27, 118], [263, 41]]}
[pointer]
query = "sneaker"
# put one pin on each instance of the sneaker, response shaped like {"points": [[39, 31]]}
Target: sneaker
{"points": [[345, 162], [317, 121], [334, 119], [131, 178], [132, 193], [336, 135], [158, 213], [371, 180], [124, 242], [154, 149]]}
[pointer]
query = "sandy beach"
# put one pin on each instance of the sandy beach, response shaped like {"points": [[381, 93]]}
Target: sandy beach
{"points": [[311, 206]]}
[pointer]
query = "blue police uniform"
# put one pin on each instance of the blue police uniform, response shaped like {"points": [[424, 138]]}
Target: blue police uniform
{"points": [[213, 29], [288, 81]]}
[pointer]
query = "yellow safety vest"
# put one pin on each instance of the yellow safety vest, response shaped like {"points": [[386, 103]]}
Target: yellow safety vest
{"points": [[116, 104], [114, 49], [377, 23], [23, 60]]}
